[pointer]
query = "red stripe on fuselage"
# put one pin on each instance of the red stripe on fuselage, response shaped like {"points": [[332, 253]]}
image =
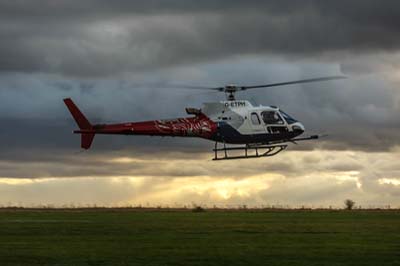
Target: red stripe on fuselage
{"points": [[198, 126]]}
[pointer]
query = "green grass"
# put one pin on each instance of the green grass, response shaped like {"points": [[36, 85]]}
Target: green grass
{"points": [[106, 237]]}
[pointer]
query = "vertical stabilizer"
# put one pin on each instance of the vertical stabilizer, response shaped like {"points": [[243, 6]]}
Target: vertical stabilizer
{"points": [[86, 140], [82, 122]]}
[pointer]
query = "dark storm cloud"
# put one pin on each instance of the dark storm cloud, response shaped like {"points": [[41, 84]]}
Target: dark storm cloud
{"points": [[95, 38], [109, 55], [359, 113]]}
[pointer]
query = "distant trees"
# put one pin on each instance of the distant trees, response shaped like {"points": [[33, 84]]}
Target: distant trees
{"points": [[349, 204], [198, 209]]}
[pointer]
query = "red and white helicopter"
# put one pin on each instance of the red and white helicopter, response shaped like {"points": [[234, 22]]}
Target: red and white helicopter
{"points": [[257, 131]]}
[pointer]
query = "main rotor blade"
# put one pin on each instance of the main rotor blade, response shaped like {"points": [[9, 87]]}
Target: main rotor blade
{"points": [[182, 86], [175, 86], [292, 82]]}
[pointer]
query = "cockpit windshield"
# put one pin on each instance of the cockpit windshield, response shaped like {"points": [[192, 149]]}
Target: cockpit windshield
{"points": [[288, 118]]}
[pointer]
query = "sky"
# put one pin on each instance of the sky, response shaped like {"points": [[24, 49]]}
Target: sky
{"points": [[115, 59]]}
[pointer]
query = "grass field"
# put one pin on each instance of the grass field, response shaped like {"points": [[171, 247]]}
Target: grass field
{"points": [[118, 237]]}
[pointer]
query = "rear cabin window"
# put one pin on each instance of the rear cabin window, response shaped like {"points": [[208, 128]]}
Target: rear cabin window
{"points": [[271, 117], [255, 119]]}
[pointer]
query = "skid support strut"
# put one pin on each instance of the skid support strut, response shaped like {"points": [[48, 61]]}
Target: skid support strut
{"points": [[260, 151]]}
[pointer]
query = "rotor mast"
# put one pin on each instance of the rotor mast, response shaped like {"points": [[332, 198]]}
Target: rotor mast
{"points": [[230, 92]]}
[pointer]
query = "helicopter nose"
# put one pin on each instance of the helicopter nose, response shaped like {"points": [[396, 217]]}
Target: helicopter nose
{"points": [[298, 128]]}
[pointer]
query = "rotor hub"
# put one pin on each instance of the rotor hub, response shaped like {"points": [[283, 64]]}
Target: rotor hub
{"points": [[230, 92]]}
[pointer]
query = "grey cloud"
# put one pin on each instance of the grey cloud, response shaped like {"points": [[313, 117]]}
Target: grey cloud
{"points": [[173, 164], [106, 38], [110, 57], [82, 50], [316, 178], [358, 113]]}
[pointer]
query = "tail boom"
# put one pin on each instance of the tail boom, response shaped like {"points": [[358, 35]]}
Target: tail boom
{"points": [[198, 126]]}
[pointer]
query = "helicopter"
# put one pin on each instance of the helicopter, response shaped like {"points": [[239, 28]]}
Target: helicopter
{"points": [[251, 131]]}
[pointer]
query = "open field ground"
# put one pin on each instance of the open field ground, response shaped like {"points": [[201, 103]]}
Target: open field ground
{"points": [[123, 237]]}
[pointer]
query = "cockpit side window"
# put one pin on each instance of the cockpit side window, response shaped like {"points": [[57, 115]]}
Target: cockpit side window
{"points": [[271, 117], [255, 119]]}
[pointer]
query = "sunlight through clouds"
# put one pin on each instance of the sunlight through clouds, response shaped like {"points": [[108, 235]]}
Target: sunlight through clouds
{"points": [[295, 178], [115, 59], [389, 181], [324, 178]]}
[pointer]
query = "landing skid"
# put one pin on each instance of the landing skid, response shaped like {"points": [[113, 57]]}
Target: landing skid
{"points": [[260, 151]]}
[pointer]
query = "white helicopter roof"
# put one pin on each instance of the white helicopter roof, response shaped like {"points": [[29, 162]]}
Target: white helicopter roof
{"points": [[239, 106]]}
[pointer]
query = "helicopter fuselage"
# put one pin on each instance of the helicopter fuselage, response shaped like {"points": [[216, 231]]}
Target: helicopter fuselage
{"points": [[239, 122], [231, 122]]}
